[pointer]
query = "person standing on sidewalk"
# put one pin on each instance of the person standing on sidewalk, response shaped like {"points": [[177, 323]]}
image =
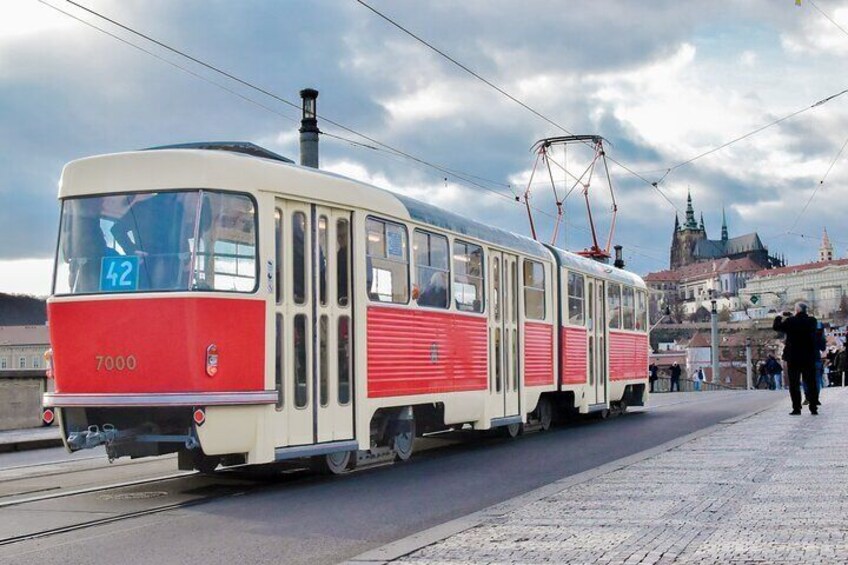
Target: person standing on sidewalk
{"points": [[699, 378], [653, 375], [776, 371], [800, 352], [675, 377]]}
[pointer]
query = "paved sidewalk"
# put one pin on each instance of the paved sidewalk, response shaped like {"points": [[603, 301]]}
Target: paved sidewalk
{"points": [[30, 438], [771, 488]]}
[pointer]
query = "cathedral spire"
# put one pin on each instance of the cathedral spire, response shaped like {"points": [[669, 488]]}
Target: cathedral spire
{"points": [[724, 236], [690, 213], [703, 229], [676, 222]]}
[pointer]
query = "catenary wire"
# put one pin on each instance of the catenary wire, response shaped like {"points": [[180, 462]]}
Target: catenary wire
{"points": [[465, 177], [818, 186], [168, 62], [667, 171], [379, 146], [518, 101]]}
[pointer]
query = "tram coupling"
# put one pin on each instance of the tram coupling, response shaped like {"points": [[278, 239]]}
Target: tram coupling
{"points": [[92, 437]]}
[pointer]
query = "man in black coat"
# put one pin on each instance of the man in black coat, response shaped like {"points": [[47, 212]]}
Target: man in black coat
{"points": [[800, 352], [675, 377]]}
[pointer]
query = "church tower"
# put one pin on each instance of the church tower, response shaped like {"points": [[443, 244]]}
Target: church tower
{"points": [[826, 249], [686, 237]]}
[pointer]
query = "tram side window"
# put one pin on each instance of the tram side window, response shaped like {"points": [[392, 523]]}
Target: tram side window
{"points": [[431, 268], [576, 299], [387, 268], [641, 311], [278, 254], [342, 261], [628, 307], [344, 364], [468, 277], [534, 290], [614, 305], [226, 250], [299, 257], [301, 383]]}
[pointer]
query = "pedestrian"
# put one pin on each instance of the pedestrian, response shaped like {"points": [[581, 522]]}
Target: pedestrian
{"points": [[675, 377], [653, 375], [775, 370], [821, 345], [699, 378], [839, 364], [800, 353], [762, 376]]}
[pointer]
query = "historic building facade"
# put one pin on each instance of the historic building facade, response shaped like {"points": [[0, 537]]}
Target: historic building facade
{"points": [[822, 284], [701, 269]]}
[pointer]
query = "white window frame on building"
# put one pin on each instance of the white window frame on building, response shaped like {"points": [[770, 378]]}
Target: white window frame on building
{"points": [[21, 362], [4, 363]]}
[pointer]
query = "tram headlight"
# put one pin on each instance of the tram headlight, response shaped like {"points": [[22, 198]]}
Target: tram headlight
{"points": [[212, 360]]}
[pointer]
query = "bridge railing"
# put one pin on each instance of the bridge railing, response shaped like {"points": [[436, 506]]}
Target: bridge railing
{"points": [[663, 384]]}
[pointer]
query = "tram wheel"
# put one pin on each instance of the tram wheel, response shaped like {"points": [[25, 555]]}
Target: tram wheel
{"points": [[403, 443], [545, 413], [332, 463], [513, 430]]}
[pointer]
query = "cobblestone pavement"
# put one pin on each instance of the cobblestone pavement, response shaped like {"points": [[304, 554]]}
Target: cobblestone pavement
{"points": [[769, 489]]}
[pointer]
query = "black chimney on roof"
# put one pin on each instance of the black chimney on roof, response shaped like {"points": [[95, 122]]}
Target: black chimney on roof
{"points": [[309, 128], [619, 261]]}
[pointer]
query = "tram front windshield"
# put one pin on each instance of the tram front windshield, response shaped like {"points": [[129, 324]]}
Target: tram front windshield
{"points": [[157, 241]]}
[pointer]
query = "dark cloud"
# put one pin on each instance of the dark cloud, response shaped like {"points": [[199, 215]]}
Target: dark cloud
{"points": [[74, 92]]}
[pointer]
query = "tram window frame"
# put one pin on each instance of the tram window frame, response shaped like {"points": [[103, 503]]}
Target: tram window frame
{"points": [[196, 265], [278, 254], [530, 282], [343, 262], [374, 262], [614, 306], [300, 367], [279, 381], [641, 320], [628, 308], [344, 359], [302, 284], [323, 259], [576, 301], [424, 238], [463, 277]]}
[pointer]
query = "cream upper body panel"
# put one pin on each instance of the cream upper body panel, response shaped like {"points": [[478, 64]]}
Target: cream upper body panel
{"points": [[175, 169]]}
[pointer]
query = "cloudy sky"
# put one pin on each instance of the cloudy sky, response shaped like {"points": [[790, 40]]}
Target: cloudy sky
{"points": [[662, 81]]}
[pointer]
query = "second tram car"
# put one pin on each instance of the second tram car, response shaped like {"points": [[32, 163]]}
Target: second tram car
{"points": [[231, 306]]}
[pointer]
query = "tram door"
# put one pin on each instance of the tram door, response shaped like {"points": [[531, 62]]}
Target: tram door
{"points": [[596, 314], [504, 350], [314, 320]]}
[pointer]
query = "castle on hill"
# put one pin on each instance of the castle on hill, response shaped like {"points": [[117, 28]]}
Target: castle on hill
{"points": [[689, 244]]}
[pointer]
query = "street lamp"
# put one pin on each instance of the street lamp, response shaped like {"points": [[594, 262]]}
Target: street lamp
{"points": [[714, 335]]}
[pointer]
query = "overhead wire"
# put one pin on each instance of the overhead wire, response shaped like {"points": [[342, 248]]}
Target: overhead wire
{"points": [[753, 132], [377, 145], [169, 62], [514, 99], [818, 186]]}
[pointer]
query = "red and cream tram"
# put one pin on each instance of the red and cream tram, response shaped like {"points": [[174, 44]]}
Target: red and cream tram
{"points": [[226, 304]]}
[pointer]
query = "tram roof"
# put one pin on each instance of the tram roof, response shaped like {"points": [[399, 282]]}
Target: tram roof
{"points": [[242, 166], [575, 262]]}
